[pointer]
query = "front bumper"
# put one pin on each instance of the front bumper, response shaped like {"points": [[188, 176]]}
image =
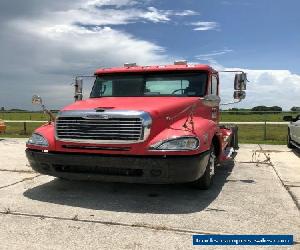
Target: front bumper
{"points": [[111, 168]]}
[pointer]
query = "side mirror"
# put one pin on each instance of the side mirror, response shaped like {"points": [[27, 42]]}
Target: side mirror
{"points": [[78, 89], [240, 81], [239, 95], [37, 100], [211, 100], [288, 118]]}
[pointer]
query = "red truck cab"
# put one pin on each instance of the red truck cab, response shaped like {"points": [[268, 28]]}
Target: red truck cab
{"points": [[141, 124]]}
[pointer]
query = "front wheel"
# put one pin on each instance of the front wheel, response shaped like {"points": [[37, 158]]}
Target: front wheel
{"points": [[205, 181], [289, 144]]}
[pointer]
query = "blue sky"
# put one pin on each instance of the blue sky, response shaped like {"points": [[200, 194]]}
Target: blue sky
{"points": [[261, 34], [44, 44]]}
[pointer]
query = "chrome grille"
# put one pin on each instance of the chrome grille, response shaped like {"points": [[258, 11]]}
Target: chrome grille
{"points": [[110, 129]]}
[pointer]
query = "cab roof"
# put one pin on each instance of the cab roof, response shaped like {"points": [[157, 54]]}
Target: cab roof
{"points": [[158, 68]]}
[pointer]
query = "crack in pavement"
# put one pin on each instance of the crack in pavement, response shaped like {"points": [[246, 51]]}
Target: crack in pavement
{"points": [[17, 182], [17, 171], [111, 223], [257, 162], [268, 159], [270, 151], [291, 185]]}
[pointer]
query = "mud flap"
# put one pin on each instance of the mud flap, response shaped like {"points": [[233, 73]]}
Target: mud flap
{"points": [[234, 140]]}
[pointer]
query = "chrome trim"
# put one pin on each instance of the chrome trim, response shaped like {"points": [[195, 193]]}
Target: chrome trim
{"points": [[157, 144], [146, 122], [295, 144], [97, 117]]}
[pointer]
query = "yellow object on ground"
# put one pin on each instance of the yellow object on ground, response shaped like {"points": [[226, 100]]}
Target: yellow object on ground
{"points": [[2, 126]]}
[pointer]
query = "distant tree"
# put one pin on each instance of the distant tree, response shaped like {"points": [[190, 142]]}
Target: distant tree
{"points": [[260, 108], [276, 109], [2, 109], [239, 111], [18, 110]]}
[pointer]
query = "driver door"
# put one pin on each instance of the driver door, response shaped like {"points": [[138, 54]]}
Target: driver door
{"points": [[214, 90]]}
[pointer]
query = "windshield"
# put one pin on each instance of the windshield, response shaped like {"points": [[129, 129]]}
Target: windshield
{"points": [[150, 84]]}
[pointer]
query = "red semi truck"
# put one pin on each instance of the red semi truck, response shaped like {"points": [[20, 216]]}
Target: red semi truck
{"points": [[140, 124]]}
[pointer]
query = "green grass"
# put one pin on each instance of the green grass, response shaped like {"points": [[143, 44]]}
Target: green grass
{"points": [[252, 134], [275, 134], [246, 117], [33, 116], [16, 130], [225, 117]]}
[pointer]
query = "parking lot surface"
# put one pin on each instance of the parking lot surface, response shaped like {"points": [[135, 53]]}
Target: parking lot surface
{"points": [[257, 193]]}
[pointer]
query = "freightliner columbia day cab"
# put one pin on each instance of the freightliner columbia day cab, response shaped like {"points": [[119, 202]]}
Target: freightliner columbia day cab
{"points": [[140, 124]]}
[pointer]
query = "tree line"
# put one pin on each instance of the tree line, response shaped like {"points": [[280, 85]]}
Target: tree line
{"points": [[261, 109], [258, 109]]}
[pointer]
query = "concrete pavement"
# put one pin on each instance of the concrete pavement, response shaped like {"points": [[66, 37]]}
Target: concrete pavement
{"points": [[258, 193]]}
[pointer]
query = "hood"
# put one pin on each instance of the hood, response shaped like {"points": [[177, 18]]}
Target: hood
{"points": [[156, 106]]}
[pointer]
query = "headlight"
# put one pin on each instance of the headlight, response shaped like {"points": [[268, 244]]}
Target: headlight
{"points": [[177, 144], [38, 140]]}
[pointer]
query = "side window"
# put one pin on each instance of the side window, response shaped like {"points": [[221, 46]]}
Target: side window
{"points": [[214, 85], [105, 88], [101, 88]]}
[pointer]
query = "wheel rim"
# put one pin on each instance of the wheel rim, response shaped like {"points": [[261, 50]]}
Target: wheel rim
{"points": [[212, 158]]}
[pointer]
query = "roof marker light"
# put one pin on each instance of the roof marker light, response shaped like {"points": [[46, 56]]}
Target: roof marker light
{"points": [[180, 62], [130, 65]]}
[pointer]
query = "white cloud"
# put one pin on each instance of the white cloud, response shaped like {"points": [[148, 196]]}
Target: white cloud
{"points": [[117, 3], [155, 15], [42, 48], [91, 13], [214, 53], [42, 53], [210, 58], [185, 13], [266, 87], [203, 26], [46, 59]]}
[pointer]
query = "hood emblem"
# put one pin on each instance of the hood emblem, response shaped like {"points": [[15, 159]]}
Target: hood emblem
{"points": [[102, 109], [102, 117]]}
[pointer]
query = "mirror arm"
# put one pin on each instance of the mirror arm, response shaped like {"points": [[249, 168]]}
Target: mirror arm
{"points": [[228, 103], [48, 112]]}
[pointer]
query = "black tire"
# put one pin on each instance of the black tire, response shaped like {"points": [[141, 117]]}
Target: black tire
{"points": [[234, 142], [63, 179], [289, 144], [205, 181]]}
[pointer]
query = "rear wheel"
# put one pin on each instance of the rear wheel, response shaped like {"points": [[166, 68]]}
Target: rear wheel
{"points": [[289, 144], [205, 181]]}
